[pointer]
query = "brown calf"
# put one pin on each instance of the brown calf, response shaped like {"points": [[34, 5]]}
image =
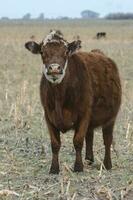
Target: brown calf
{"points": [[79, 91]]}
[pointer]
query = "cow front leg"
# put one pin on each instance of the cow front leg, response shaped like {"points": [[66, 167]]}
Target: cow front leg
{"points": [[55, 146], [78, 144]]}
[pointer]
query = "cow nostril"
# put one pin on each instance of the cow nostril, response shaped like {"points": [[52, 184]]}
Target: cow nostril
{"points": [[59, 68], [50, 68]]}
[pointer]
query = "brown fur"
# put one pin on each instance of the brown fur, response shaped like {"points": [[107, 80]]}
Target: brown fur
{"points": [[88, 97]]}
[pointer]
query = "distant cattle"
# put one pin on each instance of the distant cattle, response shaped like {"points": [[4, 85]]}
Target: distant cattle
{"points": [[101, 35], [97, 51], [79, 91]]}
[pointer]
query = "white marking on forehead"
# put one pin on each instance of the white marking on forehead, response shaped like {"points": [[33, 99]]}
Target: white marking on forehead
{"points": [[50, 38]]}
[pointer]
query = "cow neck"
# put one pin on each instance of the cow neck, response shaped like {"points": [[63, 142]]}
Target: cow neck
{"points": [[59, 92], [59, 101]]}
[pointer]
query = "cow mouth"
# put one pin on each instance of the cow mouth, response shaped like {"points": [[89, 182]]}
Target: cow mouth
{"points": [[55, 77], [55, 73]]}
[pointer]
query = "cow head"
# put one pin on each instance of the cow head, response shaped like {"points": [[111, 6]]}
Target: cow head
{"points": [[55, 52]]}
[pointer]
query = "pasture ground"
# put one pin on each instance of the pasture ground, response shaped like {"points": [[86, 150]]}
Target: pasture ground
{"points": [[25, 153]]}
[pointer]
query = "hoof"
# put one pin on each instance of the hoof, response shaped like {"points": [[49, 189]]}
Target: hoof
{"points": [[54, 170], [107, 164], [90, 161], [78, 168]]}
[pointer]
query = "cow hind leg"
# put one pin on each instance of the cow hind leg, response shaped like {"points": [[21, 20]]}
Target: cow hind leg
{"points": [[89, 145], [78, 145], [108, 137]]}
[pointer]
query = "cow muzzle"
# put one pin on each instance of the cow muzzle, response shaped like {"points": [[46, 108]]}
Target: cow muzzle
{"points": [[54, 69], [54, 73]]}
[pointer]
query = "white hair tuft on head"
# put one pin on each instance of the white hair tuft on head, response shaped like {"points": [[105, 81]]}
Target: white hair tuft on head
{"points": [[54, 36]]}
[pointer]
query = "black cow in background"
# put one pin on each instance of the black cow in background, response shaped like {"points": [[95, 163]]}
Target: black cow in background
{"points": [[101, 35]]}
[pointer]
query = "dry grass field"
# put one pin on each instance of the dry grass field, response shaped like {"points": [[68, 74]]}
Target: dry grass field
{"points": [[25, 152]]}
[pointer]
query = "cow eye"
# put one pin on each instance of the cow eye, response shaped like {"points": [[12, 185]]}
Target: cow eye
{"points": [[66, 53]]}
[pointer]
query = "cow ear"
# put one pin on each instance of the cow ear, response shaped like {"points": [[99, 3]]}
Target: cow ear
{"points": [[74, 46], [33, 47]]}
